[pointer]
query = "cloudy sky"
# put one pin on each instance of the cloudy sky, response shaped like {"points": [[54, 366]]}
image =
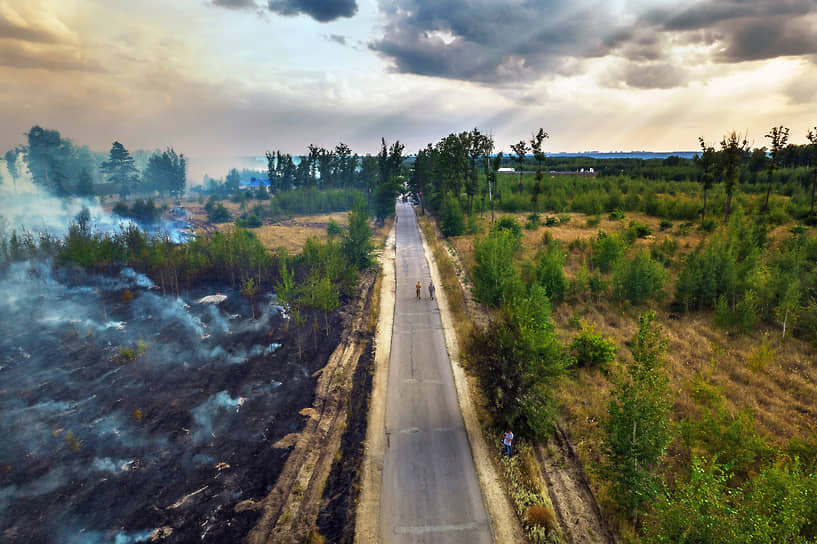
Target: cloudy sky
{"points": [[221, 78]]}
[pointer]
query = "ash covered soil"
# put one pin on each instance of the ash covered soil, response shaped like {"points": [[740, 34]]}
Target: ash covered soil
{"points": [[130, 416]]}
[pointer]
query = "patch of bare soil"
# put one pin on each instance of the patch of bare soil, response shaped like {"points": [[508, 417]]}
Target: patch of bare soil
{"points": [[290, 511], [573, 501]]}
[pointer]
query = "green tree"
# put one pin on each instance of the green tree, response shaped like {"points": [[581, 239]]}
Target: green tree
{"points": [[166, 172], [639, 279], [389, 161], [249, 289], [708, 165], [550, 271], [536, 147], [120, 169], [357, 245], [452, 221], [812, 137], [779, 136], [520, 149], [517, 357], [495, 276], [637, 428], [733, 148]]}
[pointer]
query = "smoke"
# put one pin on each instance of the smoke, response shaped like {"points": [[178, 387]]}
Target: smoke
{"points": [[99, 390], [215, 414]]}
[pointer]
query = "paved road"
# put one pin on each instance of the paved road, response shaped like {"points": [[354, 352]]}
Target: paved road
{"points": [[430, 488]]}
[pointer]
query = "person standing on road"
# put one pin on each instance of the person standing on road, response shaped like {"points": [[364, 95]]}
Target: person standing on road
{"points": [[419, 288], [431, 290], [506, 442]]}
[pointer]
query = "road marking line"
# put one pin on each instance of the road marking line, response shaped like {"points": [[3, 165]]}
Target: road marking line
{"points": [[423, 529]]}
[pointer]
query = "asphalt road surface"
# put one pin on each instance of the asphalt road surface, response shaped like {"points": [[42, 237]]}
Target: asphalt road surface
{"points": [[430, 489]]}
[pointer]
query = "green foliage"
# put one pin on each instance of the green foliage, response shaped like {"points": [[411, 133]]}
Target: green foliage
{"points": [[509, 224], [309, 200], [776, 507], [607, 250], [533, 222], [452, 220], [218, 214], [665, 224], [550, 271], [333, 230], [248, 221], [616, 215], [637, 429], [593, 222], [517, 356], [637, 230], [639, 279], [592, 349], [494, 275], [357, 245], [551, 221]]}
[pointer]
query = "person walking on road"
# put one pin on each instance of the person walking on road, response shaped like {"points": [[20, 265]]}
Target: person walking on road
{"points": [[506, 442], [419, 287], [431, 290]]}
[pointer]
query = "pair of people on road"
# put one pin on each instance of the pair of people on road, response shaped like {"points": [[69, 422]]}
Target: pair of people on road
{"points": [[431, 289]]}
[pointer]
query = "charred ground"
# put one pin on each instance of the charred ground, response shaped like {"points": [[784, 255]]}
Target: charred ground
{"points": [[131, 414]]}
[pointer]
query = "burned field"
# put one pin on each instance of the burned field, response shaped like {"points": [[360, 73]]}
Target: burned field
{"points": [[129, 416]]}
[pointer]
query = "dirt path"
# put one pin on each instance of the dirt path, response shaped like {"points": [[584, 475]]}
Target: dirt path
{"points": [[289, 511], [576, 508]]}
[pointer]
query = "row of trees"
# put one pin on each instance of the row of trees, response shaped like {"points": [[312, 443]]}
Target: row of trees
{"points": [[63, 169]]}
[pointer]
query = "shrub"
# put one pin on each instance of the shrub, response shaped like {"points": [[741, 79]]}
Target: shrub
{"points": [[551, 222], [452, 220], [550, 271], [333, 229], [638, 280], [708, 225], [509, 224], [494, 273], [665, 224], [218, 214], [248, 221], [564, 219], [607, 250], [616, 215], [638, 230], [532, 222], [593, 222], [592, 349]]}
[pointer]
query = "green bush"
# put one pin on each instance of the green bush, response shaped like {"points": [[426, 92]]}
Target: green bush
{"points": [[665, 224], [616, 215], [550, 271], [551, 221], [509, 224], [452, 220], [637, 230], [494, 275], [533, 222], [248, 221], [218, 214], [593, 222], [592, 349], [638, 280], [607, 251]]}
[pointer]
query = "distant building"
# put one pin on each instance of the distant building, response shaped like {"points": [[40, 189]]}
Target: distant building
{"points": [[253, 183]]}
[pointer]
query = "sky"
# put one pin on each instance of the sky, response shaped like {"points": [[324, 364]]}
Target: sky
{"points": [[216, 79]]}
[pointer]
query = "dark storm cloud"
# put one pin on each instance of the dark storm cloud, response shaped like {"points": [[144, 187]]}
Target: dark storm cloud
{"points": [[745, 30], [517, 40], [235, 4], [488, 41], [321, 10]]}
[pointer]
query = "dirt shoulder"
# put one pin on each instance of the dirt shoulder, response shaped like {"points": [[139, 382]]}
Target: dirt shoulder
{"points": [[368, 512]]}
